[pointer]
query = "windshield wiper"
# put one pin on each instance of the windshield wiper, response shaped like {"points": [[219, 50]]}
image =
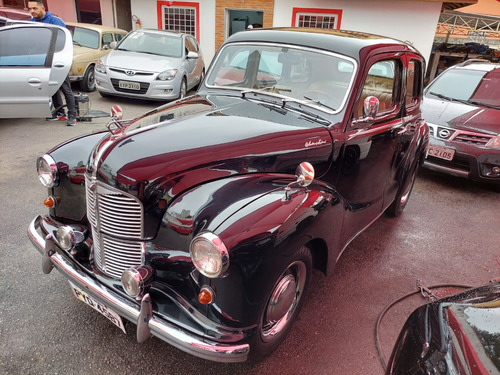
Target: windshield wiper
{"points": [[319, 103], [449, 98], [477, 102]]}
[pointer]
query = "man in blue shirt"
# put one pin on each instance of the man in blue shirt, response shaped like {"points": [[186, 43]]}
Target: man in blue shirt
{"points": [[38, 14]]}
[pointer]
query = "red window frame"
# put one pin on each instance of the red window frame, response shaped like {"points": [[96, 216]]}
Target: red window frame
{"points": [[333, 12], [160, 4]]}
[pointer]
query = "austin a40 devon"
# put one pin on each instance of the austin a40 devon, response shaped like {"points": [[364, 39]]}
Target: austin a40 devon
{"points": [[201, 221]]}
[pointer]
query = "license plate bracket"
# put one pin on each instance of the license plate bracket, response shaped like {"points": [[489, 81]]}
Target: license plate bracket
{"points": [[98, 306]]}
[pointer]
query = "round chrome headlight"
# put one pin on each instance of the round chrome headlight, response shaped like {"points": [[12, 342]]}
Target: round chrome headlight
{"points": [[209, 255], [48, 173]]}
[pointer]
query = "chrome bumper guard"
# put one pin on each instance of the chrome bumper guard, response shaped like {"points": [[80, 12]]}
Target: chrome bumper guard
{"points": [[147, 324]]}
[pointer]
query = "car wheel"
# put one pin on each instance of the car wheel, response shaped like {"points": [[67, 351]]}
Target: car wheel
{"points": [[399, 203], [183, 89], [283, 304], [202, 77], [88, 82]]}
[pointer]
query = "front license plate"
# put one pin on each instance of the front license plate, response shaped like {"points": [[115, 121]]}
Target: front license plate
{"points": [[441, 152], [96, 305], [129, 85]]}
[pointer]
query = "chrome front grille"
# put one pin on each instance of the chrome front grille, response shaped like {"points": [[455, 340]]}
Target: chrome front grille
{"points": [[461, 136], [116, 221]]}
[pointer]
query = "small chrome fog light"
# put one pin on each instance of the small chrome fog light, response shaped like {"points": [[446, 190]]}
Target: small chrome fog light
{"points": [[137, 280], [68, 238]]}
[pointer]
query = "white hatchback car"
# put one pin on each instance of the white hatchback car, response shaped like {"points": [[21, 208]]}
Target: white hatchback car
{"points": [[151, 64], [35, 59]]}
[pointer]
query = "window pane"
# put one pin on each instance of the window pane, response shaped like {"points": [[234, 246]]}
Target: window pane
{"points": [[17, 47]]}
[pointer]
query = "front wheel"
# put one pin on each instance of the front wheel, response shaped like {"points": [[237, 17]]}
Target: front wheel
{"points": [[283, 304], [183, 89], [88, 81], [399, 204]]}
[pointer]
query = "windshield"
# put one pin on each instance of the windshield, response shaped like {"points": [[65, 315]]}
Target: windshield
{"points": [[317, 78], [152, 43], [85, 37], [473, 86]]}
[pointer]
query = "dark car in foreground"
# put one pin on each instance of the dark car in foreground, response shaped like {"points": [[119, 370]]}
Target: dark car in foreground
{"points": [[462, 108], [202, 220], [458, 334]]}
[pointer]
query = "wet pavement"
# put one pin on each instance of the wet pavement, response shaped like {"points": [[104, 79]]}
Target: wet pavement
{"points": [[448, 234]]}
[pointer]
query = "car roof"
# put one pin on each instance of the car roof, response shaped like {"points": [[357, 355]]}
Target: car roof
{"points": [[342, 41], [482, 65], [100, 28], [163, 32]]}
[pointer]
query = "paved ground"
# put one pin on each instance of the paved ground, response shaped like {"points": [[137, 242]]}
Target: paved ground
{"points": [[449, 233]]}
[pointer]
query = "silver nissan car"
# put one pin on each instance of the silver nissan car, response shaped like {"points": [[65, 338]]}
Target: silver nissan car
{"points": [[151, 64]]}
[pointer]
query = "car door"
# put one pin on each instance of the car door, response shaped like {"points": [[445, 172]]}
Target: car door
{"points": [[371, 145], [34, 61], [194, 65]]}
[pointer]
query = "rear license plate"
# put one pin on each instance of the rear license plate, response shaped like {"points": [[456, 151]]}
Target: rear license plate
{"points": [[441, 152], [96, 305], [129, 85]]}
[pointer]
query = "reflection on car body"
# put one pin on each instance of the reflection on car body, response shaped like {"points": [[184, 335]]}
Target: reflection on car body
{"points": [[202, 220]]}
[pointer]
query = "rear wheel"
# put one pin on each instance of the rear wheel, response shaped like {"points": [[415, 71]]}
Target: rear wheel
{"points": [[88, 82], [399, 204], [283, 304]]}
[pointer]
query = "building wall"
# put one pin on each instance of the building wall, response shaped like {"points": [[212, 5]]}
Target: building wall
{"points": [[485, 7], [405, 20]]}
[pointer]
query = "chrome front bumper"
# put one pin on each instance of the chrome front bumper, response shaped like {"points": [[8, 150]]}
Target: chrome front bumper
{"points": [[146, 322]]}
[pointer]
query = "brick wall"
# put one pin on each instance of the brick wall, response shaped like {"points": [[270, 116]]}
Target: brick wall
{"points": [[267, 6]]}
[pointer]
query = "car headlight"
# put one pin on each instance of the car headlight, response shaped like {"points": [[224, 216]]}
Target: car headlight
{"points": [[494, 142], [167, 75], [47, 171], [100, 67], [209, 254]]}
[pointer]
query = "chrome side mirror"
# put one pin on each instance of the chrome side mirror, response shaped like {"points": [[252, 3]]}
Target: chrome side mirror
{"points": [[370, 109], [305, 177]]}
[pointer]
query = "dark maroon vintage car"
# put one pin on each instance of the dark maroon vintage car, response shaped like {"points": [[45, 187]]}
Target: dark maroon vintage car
{"points": [[201, 221]]}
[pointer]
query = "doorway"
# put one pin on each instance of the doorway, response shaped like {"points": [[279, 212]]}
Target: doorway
{"points": [[239, 19]]}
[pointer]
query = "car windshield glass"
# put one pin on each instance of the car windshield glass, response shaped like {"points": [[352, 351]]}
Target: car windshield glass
{"points": [[152, 43], [473, 86], [85, 37], [316, 78]]}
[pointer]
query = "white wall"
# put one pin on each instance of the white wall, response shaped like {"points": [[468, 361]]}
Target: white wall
{"points": [[146, 10], [405, 20]]}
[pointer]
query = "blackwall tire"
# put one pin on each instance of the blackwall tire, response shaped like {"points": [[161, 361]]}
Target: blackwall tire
{"points": [[282, 305]]}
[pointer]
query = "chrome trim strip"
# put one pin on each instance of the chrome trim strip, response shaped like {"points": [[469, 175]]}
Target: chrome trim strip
{"points": [[160, 328]]}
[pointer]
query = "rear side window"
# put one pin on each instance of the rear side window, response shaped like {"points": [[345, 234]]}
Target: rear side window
{"points": [[17, 47]]}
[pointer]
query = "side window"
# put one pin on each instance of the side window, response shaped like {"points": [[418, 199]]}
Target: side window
{"points": [[118, 37], [189, 45], [193, 45], [19, 50], [413, 83], [107, 39], [382, 82]]}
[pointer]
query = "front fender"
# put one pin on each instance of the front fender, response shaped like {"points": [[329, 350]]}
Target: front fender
{"points": [[71, 159], [262, 225]]}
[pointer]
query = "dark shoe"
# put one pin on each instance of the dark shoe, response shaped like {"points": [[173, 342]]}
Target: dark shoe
{"points": [[59, 116], [71, 120]]}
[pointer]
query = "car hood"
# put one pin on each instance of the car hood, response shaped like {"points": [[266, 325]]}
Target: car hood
{"points": [[459, 334], [176, 147], [461, 116], [79, 51], [140, 61]]}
